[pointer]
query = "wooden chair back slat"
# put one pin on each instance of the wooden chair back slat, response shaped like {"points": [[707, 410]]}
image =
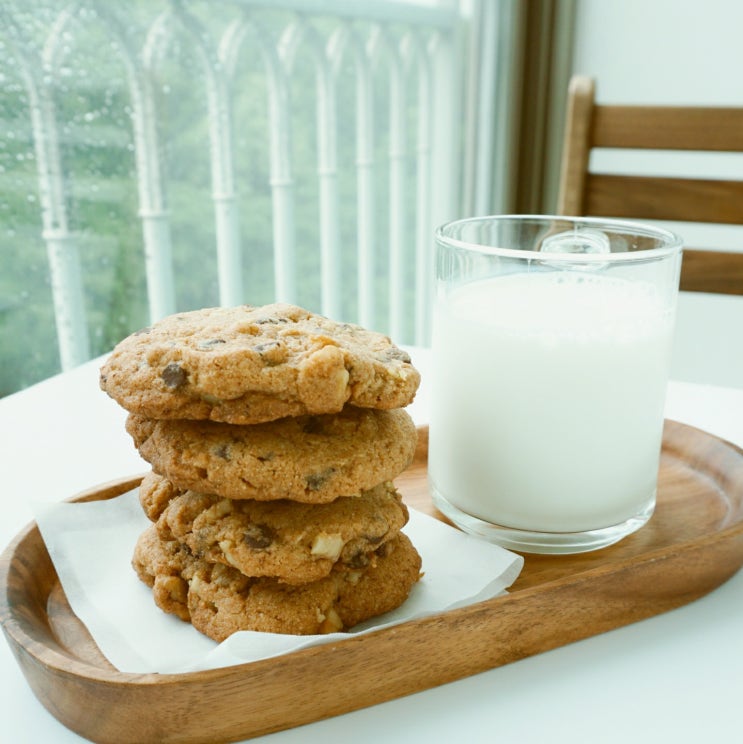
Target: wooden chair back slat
{"points": [[718, 272], [668, 128], [658, 197]]}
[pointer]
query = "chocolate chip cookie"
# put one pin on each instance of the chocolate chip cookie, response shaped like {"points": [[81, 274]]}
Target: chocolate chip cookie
{"points": [[245, 365], [219, 600], [293, 542], [313, 459], [161, 564], [155, 493]]}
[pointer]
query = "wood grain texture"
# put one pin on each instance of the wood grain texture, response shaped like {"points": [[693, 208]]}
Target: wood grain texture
{"points": [[718, 272], [711, 128], [693, 543], [590, 126], [656, 198]]}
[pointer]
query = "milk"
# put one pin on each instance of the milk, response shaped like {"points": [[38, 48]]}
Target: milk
{"points": [[548, 396]]}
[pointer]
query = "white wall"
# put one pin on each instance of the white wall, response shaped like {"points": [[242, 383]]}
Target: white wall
{"points": [[680, 52]]}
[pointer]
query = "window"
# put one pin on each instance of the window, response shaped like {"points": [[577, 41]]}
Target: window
{"points": [[158, 157]]}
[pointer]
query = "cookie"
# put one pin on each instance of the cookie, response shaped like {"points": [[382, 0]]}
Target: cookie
{"points": [[246, 365], [313, 459], [293, 542], [161, 564], [220, 600], [155, 493]]}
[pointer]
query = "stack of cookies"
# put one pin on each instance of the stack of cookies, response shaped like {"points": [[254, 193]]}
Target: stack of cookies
{"points": [[274, 435]]}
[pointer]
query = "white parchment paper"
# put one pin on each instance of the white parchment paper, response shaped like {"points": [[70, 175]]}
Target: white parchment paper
{"points": [[91, 545]]}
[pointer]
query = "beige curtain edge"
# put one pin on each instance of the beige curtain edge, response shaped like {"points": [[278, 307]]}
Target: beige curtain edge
{"points": [[517, 61], [546, 65]]}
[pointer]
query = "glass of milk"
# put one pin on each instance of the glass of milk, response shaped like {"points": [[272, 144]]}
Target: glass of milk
{"points": [[551, 348]]}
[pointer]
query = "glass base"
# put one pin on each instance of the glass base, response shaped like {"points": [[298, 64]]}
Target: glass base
{"points": [[554, 543]]}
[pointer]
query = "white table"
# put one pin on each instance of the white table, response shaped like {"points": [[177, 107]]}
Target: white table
{"points": [[675, 678]]}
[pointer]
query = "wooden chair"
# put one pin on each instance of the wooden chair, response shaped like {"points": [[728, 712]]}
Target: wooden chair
{"points": [[585, 193]]}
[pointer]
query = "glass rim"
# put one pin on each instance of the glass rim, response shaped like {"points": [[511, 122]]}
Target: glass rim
{"points": [[674, 242]]}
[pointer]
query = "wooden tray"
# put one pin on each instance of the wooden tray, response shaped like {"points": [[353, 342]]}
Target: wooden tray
{"points": [[693, 543]]}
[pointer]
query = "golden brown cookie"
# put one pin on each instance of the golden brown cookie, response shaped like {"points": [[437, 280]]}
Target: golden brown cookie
{"points": [[245, 365], [161, 564], [293, 542], [220, 600], [313, 459], [155, 493]]}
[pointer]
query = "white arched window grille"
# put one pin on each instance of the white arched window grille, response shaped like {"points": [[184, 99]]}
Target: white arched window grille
{"points": [[167, 222]]}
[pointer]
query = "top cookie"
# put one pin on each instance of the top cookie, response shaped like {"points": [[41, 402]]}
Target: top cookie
{"points": [[245, 365]]}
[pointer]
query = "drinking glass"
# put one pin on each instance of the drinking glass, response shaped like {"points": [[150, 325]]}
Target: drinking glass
{"points": [[551, 350]]}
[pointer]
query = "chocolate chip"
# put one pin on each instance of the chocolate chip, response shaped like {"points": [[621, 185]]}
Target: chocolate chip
{"points": [[174, 376], [212, 342], [223, 451], [259, 536], [266, 457], [359, 560], [385, 549], [312, 425], [271, 320], [315, 481]]}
